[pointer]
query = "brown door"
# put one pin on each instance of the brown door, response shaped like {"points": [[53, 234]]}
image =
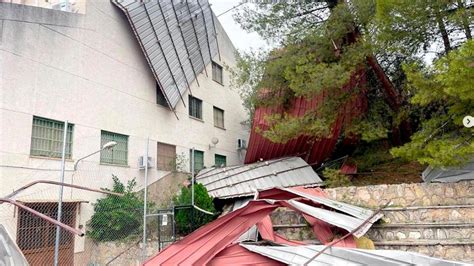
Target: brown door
{"points": [[36, 236]]}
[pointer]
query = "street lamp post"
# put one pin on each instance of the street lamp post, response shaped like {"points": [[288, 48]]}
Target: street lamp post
{"points": [[108, 145]]}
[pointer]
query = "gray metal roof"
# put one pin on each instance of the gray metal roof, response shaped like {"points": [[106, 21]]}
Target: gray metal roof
{"points": [[178, 39], [10, 253], [450, 174], [245, 180], [299, 255]]}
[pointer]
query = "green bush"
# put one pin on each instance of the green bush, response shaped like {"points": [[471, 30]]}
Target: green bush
{"points": [[117, 217], [189, 219], [334, 178]]}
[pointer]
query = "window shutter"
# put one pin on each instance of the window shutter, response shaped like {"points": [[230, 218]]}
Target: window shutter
{"points": [[47, 138], [117, 154]]}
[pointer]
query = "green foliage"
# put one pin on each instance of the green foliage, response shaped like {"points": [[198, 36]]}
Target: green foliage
{"points": [[307, 65], [447, 88], [117, 217], [411, 27], [334, 178], [189, 219], [179, 164], [370, 155], [246, 77], [322, 44]]}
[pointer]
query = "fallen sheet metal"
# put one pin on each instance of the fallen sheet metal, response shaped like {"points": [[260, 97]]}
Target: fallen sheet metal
{"points": [[299, 255], [331, 217], [449, 174], [202, 245], [245, 180], [349, 216], [236, 255]]}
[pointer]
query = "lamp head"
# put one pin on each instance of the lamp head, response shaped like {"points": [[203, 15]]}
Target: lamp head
{"points": [[109, 145]]}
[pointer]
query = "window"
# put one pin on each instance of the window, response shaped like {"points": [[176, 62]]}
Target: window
{"points": [[195, 107], [117, 154], [220, 160], [218, 117], [160, 98], [166, 157], [217, 73], [47, 138], [198, 160]]}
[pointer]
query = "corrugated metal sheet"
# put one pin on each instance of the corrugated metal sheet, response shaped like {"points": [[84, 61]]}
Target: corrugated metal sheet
{"points": [[338, 219], [313, 150], [450, 174], [353, 210], [239, 181], [178, 39], [357, 218], [299, 255]]}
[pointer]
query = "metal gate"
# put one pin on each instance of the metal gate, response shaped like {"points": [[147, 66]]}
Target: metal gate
{"points": [[165, 226], [164, 223]]}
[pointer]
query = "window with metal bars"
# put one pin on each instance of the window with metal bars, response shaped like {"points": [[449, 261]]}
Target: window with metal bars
{"points": [[218, 117], [166, 157], [217, 73], [198, 160], [47, 138], [195, 107], [117, 154], [220, 160]]}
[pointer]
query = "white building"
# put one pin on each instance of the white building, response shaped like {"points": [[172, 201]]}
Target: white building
{"points": [[89, 68]]}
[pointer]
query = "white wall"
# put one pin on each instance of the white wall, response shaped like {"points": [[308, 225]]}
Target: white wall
{"points": [[89, 69]]}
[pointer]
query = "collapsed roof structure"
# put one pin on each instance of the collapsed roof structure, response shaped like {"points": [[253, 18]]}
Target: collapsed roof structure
{"points": [[220, 243], [178, 39], [343, 256], [313, 150], [245, 180]]}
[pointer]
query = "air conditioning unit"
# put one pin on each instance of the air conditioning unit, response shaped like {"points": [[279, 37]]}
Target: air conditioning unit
{"points": [[141, 162], [241, 144]]}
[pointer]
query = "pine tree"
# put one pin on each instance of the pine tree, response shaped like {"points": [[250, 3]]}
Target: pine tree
{"points": [[322, 45]]}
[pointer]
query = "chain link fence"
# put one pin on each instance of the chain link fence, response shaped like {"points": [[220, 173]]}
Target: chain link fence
{"points": [[113, 227]]}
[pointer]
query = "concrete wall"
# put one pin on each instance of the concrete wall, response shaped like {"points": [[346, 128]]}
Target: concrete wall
{"points": [[89, 69], [162, 191]]}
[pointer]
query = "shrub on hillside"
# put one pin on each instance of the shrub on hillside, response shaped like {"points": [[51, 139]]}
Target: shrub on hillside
{"points": [[189, 219], [117, 217], [334, 178]]}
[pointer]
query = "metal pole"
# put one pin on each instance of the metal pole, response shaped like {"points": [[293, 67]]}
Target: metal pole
{"points": [[174, 224], [145, 191], [192, 176], [60, 200], [159, 233]]}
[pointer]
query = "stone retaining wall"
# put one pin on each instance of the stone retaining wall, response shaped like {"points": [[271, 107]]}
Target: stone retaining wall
{"points": [[433, 219], [403, 195]]}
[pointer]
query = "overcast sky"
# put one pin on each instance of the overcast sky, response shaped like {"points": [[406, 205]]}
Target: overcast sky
{"points": [[242, 40]]}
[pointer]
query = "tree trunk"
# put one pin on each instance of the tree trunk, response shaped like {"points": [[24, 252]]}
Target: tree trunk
{"points": [[444, 33], [464, 21], [393, 97]]}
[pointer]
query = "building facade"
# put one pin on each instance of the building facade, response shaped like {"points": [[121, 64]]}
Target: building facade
{"points": [[88, 68]]}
